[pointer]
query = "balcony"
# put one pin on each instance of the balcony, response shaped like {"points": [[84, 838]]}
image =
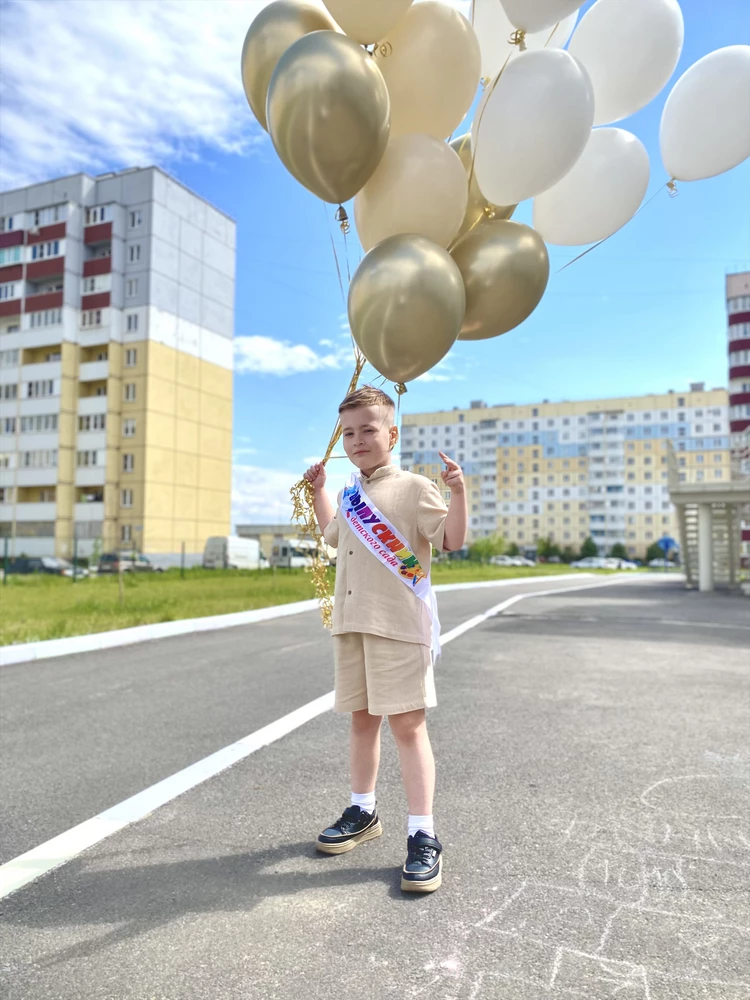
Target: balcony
{"points": [[93, 371], [49, 267], [56, 231], [10, 307], [89, 405], [47, 300], [92, 475], [98, 233], [96, 266], [32, 477], [28, 511], [95, 300], [87, 512], [43, 370]]}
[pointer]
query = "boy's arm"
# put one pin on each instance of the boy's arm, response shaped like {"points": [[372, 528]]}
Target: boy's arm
{"points": [[457, 518], [316, 475]]}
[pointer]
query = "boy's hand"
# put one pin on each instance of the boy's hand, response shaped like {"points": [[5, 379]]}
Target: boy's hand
{"points": [[453, 476], [316, 475]]}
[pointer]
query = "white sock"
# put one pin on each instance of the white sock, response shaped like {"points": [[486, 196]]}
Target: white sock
{"points": [[425, 823], [366, 802]]}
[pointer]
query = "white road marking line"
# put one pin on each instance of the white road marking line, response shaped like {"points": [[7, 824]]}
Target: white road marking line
{"points": [[28, 867]]}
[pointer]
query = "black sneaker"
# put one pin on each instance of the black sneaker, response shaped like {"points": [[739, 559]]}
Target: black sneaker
{"points": [[423, 869], [354, 827]]}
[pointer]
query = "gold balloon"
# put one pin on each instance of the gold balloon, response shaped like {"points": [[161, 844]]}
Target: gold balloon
{"points": [[328, 114], [367, 21], [505, 267], [275, 28], [478, 210], [406, 305]]}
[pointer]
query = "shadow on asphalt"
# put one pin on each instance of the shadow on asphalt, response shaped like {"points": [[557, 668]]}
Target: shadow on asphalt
{"points": [[143, 898], [600, 626]]}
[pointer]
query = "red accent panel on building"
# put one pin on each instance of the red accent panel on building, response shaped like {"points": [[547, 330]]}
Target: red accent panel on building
{"points": [[738, 398], [102, 265], [739, 345], [739, 318], [100, 233], [746, 534], [56, 232], [49, 300], [739, 371], [10, 307], [99, 300], [50, 267], [12, 239], [11, 272]]}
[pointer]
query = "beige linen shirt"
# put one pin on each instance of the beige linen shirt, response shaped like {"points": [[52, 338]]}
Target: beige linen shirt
{"points": [[368, 596]]}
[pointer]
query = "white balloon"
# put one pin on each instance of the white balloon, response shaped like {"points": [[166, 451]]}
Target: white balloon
{"points": [[431, 64], [534, 125], [599, 195], [493, 29], [705, 125], [533, 15], [420, 186], [630, 50], [365, 21]]}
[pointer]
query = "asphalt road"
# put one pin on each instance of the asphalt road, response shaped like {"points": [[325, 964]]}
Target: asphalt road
{"points": [[593, 799]]}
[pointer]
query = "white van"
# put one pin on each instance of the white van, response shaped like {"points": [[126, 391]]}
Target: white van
{"points": [[298, 553], [232, 552]]}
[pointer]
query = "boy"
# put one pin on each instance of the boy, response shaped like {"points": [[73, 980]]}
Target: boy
{"points": [[385, 626]]}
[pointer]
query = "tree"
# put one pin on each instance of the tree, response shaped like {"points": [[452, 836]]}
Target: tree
{"points": [[512, 549], [653, 552], [483, 549], [568, 555], [589, 549], [619, 551]]}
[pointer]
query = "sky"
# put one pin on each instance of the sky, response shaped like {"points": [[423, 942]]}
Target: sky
{"points": [[120, 83]]}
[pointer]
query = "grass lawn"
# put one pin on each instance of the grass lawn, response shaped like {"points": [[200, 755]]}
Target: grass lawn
{"points": [[47, 607]]}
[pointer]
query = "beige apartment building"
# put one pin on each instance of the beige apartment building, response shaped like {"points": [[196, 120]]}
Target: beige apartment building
{"points": [[116, 325], [567, 470]]}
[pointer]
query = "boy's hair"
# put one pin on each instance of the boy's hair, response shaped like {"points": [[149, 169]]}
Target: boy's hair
{"points": [[368, 395]]}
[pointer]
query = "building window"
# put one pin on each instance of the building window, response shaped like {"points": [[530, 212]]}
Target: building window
{"points": [[85, 459], [134, 219], [9, 358], [126, 533], [130, 392], [8, 425], [49, 249], [42, 387], [46, 317], [6, 223], [126, 498], [96, 422], [128, 427], [131, 289], [38, 459], [134, 252], [11, 255], [7, 291], [40, 422], [91, 317], [131, 357], [131, 322], [128, 463], [95, 215]]}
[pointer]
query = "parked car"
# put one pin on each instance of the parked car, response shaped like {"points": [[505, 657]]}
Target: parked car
{"points": [[51, 565], [522, 561], [25, 564], [661, 564], [590, 562], [502, 561], [125, 562]]}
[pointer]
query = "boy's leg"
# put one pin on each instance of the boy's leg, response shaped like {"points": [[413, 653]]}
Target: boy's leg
{"points": [[417, 762], [364, 751]]}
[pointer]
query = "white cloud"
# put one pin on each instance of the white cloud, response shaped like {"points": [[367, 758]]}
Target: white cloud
{"points": [[267, 356], [262, 495], [89, 85]]}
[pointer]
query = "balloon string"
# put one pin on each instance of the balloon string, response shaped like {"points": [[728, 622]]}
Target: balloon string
{"points": [[670, 185]]}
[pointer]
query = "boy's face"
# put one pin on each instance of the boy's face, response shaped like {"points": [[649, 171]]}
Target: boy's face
{"points": [[369, 434]]}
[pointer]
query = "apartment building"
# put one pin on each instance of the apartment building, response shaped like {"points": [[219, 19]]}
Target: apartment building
{"points": [[568, 470], [116, 325], [738, 328]]}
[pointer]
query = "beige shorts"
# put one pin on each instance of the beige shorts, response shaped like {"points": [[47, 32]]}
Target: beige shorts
{"points": [[385, 676]]}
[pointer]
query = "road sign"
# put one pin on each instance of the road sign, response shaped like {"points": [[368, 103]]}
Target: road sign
{"points": [[666, 544]]}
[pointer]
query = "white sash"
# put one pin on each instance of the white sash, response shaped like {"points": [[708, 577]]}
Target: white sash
{"points": [[388, 544]]}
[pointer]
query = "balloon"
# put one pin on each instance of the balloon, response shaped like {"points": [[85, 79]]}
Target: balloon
{"points": [[601, 193], [629, 50], [534, 15], [534, 125], [327, 114], [406, 306], [419, 187], [478, 209], [505, 267], [274, 29], [494, 30], [705, 125], [365, 21], [431, 63]]}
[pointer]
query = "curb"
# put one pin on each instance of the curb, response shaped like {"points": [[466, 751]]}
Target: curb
{"points": [[30, 651]]}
